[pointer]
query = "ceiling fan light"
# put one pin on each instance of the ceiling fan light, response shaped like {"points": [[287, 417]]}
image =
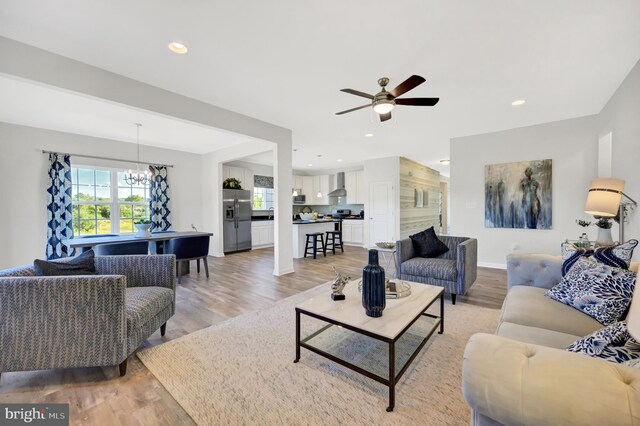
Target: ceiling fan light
{"points": [[383, 106]]}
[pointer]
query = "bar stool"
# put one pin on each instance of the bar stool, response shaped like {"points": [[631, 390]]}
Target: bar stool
{"points": [[331, 243], [313, 239]]}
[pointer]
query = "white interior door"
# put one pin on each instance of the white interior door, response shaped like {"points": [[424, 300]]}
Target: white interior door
{"points": [[381, 207]]}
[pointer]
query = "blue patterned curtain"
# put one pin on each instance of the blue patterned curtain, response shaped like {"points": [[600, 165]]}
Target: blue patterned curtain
{"points": [[159, 199], [59, 208]]}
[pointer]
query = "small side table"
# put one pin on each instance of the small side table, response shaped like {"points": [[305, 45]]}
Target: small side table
{"points": [[388, 256]]}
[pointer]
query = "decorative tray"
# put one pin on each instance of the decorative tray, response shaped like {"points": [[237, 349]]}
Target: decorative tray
{"points": [[386, 245], [396, 289]]}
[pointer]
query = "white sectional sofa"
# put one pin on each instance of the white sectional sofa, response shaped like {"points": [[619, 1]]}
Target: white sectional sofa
{"points": [[522, 375]]}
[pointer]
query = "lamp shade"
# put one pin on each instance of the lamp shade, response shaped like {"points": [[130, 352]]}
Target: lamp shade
{"points": [[633, 317], [604, 197]]}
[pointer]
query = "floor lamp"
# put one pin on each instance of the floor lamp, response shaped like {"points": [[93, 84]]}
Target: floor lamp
{"points": [[605, 200]]}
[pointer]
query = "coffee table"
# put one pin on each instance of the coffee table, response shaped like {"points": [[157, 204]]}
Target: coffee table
{"points": [[379, 348]]}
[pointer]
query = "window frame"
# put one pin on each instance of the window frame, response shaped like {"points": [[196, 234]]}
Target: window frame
{"points": [[256, 189], [114, 204]]}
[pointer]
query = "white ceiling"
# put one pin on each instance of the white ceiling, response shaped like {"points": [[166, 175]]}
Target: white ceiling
{"points": [[284, 62], [35, 105]]}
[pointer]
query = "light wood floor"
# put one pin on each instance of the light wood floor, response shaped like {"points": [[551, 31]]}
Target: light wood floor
{"points": [[238, 283]]}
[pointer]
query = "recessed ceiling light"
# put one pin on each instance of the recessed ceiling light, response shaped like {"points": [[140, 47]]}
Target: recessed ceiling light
{"points": [[518, 102], [178, 48], [368, 135], [310, 165], [445, 161], [339, 160]]}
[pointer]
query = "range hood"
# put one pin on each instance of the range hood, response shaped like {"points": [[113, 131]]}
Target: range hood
{"points": [[339, 191]]}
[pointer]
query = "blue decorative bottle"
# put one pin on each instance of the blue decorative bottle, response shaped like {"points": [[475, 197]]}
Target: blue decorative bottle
{"points": [[373, 292]]}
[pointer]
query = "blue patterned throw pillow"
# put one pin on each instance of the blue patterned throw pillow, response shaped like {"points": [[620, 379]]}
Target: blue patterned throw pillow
{"points": [[618, 256], [633, 363], [612, 343], [600, 291], [571, 254]]}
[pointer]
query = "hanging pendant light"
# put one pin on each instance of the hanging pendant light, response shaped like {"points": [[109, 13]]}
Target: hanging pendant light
{"points": [[137, 178]]}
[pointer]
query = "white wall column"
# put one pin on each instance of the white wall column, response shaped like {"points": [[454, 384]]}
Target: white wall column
{"points": [[283, 233]]}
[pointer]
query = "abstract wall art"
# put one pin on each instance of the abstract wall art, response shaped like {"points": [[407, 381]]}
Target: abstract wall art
{"points": [[518, 195]]}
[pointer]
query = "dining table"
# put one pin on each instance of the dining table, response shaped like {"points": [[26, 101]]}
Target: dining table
{"points": [[156, 239]]}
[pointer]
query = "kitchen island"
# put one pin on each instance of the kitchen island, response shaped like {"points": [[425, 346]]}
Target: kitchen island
{"points": [[303, 227]]}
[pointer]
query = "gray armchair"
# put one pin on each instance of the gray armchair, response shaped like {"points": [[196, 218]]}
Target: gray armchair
{"points": [[456, 270], [84, 321]]}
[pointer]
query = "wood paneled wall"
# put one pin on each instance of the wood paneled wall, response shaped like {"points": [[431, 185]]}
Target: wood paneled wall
{"points": [[417, 176]]}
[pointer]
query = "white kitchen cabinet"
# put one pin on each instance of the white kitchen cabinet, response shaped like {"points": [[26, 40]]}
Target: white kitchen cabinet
{"points": [[323, 184], [245, 176], [352, 231], [235, 172], [307, 189], [262, 233], [354, 185], [351, 186], [347, 232], [360, 195], [297, 182], [247, 183]]}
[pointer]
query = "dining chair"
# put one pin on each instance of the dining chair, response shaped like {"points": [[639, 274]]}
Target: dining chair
{"points": [[188, 249], [122, 249]]}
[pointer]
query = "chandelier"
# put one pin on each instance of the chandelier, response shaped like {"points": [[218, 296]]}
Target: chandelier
{"points": [[137, 178]]}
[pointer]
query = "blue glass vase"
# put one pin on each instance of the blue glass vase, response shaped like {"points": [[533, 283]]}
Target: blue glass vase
{"points": [[373, 297]]}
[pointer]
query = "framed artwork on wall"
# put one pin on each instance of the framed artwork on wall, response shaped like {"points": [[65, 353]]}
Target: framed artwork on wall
{"points": [[518, 195]]}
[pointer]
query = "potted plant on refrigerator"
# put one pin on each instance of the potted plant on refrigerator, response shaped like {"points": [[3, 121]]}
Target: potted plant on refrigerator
{"points": [[231, 183]]}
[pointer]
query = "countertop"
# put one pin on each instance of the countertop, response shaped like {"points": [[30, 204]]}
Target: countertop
{"points": [[309, 222], [261, 218], [265, 218]]}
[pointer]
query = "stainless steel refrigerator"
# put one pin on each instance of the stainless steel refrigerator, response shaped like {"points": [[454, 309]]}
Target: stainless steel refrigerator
{"points": [[236, 211]]}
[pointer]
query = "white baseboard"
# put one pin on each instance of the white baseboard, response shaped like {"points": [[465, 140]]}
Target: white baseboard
{"points": [[285, 272], [261, 247], [216, 254], [493, 265]]}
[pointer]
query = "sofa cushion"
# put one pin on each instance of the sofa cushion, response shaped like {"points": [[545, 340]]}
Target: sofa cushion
{"points": [[441, 269], [144, 303], [80, 265], [535, 335], [528, 306], [612, 343], [19, 271], [598, 290], [427, 244]]}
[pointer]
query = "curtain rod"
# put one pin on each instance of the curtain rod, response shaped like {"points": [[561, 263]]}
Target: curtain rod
{"points": [[106, 158]]}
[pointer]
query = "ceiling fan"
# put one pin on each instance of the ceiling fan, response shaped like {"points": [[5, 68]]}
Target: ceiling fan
{"points": [[383, 102]]}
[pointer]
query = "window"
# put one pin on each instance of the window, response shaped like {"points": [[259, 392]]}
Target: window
{"points": [[262, 198], [103, 203]]}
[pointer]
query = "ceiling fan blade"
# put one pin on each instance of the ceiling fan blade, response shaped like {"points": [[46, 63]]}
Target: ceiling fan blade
{"points": [[357, 93], [410, 83], [353, 109], [417, 101], [385, 117]]}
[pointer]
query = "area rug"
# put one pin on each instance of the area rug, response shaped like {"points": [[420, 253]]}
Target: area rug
{"points": [[242, 372]]}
